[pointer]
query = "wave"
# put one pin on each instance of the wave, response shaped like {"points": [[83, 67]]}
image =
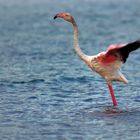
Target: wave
{"points": [[33, 81]]}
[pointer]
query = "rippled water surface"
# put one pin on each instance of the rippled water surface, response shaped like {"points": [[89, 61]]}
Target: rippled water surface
{"points": [[46, 92]]}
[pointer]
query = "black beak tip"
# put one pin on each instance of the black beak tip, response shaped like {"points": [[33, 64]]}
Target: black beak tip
{"points": [[55, 17]]}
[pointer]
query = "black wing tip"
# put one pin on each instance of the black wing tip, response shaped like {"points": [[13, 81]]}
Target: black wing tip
{"points": [[128, 48]]}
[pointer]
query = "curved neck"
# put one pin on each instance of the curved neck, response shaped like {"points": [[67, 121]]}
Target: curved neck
{"points": [[83, 56]]}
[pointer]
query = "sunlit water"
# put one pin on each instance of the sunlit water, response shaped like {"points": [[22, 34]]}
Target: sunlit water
{"points": [[46, 92]]}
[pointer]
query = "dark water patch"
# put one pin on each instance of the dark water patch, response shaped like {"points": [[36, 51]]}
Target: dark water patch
{"points": [[10, 83], [137, 98], [43, 94], [88, 100], [81, 79], [68, 91], [15, 112], [44, 104], [34, 81], [6, 83], [61, 95], [18, 82], [32, 98]]}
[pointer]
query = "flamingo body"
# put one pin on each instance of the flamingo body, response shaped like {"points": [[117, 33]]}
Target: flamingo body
{"points": [[108, 63]]}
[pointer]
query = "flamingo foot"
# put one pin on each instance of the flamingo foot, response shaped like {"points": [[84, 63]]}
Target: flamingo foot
{"points": [[114, 110]]}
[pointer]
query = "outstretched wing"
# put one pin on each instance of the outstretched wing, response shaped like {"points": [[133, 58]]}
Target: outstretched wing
{"points": [[121, 52]]}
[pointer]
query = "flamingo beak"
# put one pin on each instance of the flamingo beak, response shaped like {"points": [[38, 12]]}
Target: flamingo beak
{"points": [[55, 17], [60, 15]]}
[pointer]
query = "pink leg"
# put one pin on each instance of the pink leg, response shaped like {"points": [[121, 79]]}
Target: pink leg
{"points": [[112, 95]]}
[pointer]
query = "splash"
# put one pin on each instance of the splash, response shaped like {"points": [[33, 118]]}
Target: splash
{"points": [[114, 111]]}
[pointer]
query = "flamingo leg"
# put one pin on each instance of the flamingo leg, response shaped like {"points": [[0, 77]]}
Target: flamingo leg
{"points": [[112, 95]]}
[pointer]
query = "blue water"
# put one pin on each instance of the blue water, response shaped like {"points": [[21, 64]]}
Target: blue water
{"points": [[46, 92]]}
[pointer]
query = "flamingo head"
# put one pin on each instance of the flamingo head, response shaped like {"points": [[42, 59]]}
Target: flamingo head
{"points": [[65, 16]]}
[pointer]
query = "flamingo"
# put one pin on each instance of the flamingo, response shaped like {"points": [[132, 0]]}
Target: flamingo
{"points": [[108, 63]]}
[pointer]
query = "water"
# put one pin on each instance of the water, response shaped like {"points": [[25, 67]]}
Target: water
{"points": [[46, 92]]}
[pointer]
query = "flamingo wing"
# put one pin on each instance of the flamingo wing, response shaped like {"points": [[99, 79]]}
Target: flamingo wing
{"points": [[121, 52]]}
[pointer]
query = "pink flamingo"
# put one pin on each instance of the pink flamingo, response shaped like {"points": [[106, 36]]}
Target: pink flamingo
{"points": [[108, 63]]}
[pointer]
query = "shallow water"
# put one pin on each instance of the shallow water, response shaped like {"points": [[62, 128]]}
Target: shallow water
{"points": [[46, 92]]}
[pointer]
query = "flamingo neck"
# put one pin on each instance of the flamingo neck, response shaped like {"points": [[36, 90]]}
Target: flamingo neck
{"points": [[83, 56]]}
